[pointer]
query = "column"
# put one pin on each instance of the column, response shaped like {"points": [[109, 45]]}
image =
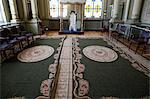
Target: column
{"points": [[136, 10], [34, 9], [108, 10], [61, 17], [115, 11], [5, 10], [41, 9], [25, 9], [13, 10], [127, 10], [34, 24], [82, 17], [47, 9], [75, 8], [104, 11]]}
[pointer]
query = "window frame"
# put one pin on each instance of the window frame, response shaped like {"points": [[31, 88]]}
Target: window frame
{"points": [[58, 12], [93, 9]]}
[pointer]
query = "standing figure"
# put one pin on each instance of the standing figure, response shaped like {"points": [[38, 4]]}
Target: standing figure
{"points": [[72, 21]]}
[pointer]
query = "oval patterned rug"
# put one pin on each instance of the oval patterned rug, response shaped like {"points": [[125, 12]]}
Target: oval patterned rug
{"points": [[100, 53], [36, 53]]}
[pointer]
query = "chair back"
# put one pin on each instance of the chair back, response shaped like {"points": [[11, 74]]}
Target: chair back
{"points": [[135, 33], [14, 30], [113, 26], [146, 35], [21, 28], [5, 32], [128, 31], [117, 28], [122, 29]]}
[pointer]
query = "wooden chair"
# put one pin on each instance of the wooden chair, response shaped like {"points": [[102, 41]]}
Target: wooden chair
{"points": [[5, 45], [146, 46], [24, 32], [10, 39], [136, 38], [146, 42], [115, 33], [16, 34]]}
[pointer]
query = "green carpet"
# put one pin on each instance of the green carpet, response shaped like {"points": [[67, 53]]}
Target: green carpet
{"points": [[117, 79], [24, 79]]}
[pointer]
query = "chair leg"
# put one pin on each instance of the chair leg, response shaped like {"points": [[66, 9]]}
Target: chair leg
{"points": [[137, 48], [32, 39], [13, 49], [144, 48], [20, 45], [123, 41], [5, 55], [130, 45], [117, 37], [1, 56], [28, 40]]}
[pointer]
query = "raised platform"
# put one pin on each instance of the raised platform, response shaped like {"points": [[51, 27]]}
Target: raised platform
{"points": [[71, 32]]}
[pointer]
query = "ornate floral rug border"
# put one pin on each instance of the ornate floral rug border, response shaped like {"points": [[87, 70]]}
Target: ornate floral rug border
{"points": [[81, 86], [46, 85]]}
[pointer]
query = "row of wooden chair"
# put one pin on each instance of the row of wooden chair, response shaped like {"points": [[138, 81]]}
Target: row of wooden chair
{"points": [[132, 35], [11, 37]]}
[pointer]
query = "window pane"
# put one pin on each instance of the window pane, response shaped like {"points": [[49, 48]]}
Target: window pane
{"points": [[54, 7], [93, 8], [88, 8], [97, 8], [64, 10], [1, 17]]}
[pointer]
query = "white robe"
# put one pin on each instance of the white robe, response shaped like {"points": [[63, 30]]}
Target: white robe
{"points": [[72, 22]]}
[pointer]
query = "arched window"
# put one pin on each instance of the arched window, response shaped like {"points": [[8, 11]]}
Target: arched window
{"points": [[55, 8], [93, 8]]}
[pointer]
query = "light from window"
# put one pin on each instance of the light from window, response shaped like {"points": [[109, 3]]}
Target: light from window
{"points": [[55, 8], [1, 17], [93, 8]]}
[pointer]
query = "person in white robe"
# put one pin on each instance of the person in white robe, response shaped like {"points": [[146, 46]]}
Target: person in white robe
{"points": [[72, 21]]}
